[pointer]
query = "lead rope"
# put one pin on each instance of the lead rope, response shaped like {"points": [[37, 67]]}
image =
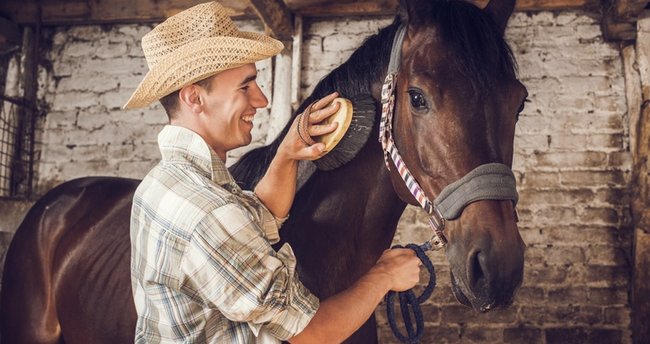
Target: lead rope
{"points": [[409, 303]]}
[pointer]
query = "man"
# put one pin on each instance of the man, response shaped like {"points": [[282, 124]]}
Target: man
{"points": [[202, 265]]}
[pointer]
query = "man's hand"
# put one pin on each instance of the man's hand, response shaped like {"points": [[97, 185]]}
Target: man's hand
{"points": [[293, 147], [403, 267], [340, 315]]}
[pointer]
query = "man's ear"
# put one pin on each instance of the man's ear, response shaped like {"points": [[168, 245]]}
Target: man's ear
{"points": [[189, 97]]}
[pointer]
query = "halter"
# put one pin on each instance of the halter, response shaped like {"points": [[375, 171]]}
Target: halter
{"points": [[493, 181]]}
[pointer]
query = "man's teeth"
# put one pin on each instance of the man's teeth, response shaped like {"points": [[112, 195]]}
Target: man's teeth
{"points": [[247, 118]]}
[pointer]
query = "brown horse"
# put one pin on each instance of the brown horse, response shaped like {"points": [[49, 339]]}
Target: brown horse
{"points": [[67, 271]]}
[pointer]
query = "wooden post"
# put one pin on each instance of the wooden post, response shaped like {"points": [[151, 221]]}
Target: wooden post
{"points": [[296, 68], [640, 296], [619, 19], [281, 102], [276, 16], [286, 83]]}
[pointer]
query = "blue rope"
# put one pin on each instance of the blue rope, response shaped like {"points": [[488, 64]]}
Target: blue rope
{"points": [[409, 303]]}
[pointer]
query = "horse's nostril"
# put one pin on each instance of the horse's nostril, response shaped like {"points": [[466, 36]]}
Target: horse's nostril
{"points": [[477, 274]]}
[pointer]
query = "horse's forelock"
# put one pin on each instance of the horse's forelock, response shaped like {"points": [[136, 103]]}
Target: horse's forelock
{"points": [[481, 50]]}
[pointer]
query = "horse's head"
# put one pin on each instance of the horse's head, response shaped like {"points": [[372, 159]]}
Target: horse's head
{"points": [[457, 103]]}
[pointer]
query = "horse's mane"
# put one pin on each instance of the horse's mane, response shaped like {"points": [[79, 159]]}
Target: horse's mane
{"points": [[469, 31]]}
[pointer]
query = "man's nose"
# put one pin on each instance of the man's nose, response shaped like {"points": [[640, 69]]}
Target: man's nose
{"points": [[258, 99]]}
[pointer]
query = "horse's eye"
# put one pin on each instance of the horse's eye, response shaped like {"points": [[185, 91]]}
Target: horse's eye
{"points": [[417, 100]]}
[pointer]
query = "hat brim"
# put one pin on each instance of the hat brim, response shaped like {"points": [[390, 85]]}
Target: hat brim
{"points": [[198, 60]]}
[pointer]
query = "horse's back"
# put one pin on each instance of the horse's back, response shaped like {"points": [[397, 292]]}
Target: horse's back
{"points": [[68, 267]]}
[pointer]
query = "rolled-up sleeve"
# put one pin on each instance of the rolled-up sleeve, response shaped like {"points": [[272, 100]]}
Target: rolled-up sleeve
{"points": [[230, 266]]}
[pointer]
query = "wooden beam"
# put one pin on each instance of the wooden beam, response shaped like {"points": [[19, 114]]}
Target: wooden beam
{"points": [[65, 12], [343, 9], [10, 35], [619, 19], [628, 9], [389, 7], [276, 17], [637, 67], [614, 30]]}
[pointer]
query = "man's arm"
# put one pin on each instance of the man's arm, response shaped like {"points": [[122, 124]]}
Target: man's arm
{"points": [[277, 188], [342, 314]]}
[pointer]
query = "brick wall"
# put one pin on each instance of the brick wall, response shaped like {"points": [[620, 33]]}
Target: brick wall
{"points": [[572, 161]]}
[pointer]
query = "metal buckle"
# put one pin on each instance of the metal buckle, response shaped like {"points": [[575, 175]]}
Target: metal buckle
{"points": [[387, 87], [437, 221]]}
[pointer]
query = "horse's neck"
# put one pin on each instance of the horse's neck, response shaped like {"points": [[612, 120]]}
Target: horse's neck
{"points": [[342, 221]]}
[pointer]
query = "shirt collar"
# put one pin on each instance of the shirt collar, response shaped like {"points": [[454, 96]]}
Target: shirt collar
{"points": [[178, 144]]}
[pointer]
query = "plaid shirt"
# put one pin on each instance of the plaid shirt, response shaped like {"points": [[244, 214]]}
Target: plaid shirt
{"points": [[202, 266]]}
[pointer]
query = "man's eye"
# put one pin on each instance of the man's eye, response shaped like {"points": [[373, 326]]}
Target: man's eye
{"points": [[417, 100]]}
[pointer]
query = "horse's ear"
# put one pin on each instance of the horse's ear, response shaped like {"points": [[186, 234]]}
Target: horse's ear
{"points": [[500, 10]]}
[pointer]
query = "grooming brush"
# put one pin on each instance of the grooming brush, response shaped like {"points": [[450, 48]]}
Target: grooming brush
{"points": [[355, 118]]}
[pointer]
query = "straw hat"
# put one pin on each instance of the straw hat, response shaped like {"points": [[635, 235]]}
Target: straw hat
{"points": [[193, 45]]}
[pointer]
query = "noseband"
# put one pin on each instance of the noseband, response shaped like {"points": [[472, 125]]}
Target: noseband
{"points": [[493, 181]]}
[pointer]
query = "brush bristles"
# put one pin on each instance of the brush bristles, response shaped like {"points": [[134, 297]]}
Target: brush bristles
{"points": [[363, 118]]}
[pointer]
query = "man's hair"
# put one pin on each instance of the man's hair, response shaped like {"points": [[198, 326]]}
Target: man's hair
{"points": [[170, 101]]}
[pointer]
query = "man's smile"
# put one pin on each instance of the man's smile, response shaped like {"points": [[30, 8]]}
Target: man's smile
{"points": [[247, 118]]}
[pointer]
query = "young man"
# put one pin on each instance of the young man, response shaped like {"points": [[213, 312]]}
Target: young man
{"points": [[202, 266]]}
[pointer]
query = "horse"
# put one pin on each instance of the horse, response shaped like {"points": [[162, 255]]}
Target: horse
{"points": [[457, 101]]}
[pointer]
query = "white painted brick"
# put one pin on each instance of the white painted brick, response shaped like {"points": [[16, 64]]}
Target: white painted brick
{"points": [[111, 50], [91, 122], [64, 68], [119, 66], [80, 49], [85, 82], [133, 31], [12, 86], [337, 43], [85, 33], [61, 119], [114, 100], [67, 101], [86, 168], [643, 55], [528, 143], [59, 38], [155, 115], [135, 169], [533, 124], [588, 32]]}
